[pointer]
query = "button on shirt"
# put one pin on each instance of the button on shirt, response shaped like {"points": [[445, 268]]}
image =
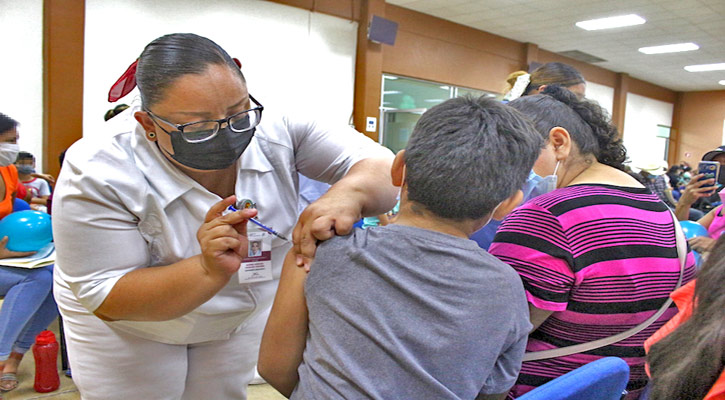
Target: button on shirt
{"points": [[121, 205]]}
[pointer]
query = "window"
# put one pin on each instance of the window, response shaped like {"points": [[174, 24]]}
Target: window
{"points": [[405, 100]]}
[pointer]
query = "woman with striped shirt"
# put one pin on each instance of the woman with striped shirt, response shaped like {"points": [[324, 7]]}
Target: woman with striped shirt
{"points": [[597, 254]]}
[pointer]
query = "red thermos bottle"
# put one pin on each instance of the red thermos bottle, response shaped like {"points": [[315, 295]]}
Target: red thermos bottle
{"points": [[45, 352]]}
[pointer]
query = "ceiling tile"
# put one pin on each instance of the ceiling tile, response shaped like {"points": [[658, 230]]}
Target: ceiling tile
{"points": [[550, 24]]}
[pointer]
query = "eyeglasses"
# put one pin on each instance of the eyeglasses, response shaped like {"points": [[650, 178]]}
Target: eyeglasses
{"points": [[201, 131]]}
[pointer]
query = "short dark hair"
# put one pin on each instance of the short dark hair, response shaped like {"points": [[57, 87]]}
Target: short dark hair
{"points": [[587, 123], [554, 73], [7, 123], [24, 155], [467, 154], [169, 57]]}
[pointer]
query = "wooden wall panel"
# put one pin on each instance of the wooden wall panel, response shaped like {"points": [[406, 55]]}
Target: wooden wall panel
{"points": [[368, 70], [348, 9], [440, 61], [651, 90], [63, 29], [699, 123], [424, 25]]}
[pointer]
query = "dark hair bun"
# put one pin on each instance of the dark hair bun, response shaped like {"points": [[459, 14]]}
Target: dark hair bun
{"points": [[611, 150]]}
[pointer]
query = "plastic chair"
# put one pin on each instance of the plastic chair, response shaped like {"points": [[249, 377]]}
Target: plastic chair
{"points": [[604, 379]]}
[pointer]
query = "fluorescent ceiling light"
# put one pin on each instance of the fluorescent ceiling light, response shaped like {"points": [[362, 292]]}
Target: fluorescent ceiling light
{"points": [[434, 100], [392, 92], [611, 22], [392, 78], [722, 82], [705, 67], [669, 48]]}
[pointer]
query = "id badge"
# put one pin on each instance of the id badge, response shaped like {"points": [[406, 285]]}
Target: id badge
{"points": [[257, 266]]}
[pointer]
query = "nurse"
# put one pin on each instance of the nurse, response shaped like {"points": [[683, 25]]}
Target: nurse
{"points": [[158, 295]]}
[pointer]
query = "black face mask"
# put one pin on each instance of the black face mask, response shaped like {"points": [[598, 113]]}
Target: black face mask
{"points": [[219, 152]]}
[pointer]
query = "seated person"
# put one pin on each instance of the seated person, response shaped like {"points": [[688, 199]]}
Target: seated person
{"points": [[686, 355], [415, 301], [38, 187], [28, 307]]}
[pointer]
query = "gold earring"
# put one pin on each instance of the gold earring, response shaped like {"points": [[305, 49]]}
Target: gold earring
{"points": [[151, 135]]}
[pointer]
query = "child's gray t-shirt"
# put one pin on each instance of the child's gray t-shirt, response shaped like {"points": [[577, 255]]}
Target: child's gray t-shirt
{"points": [[398, 312]]}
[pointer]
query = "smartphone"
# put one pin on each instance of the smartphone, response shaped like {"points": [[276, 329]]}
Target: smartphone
{"points": [[709, 169]]}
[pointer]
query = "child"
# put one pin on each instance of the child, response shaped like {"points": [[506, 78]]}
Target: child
{"points": [[39, 188], [415, 309]]}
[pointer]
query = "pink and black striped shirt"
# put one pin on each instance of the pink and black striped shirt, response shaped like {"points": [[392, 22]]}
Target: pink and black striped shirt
{"points": [[603, 258]]}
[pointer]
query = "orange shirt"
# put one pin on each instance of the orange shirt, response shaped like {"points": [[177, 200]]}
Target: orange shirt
{"points": [[10, 177], [683, 298]]}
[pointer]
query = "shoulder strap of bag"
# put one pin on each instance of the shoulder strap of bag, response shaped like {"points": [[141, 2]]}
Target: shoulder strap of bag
{"points": [[580, 348]]}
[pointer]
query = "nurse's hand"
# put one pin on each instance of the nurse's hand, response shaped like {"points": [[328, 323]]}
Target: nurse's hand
{"points": [[223, 239], [334, 213]]}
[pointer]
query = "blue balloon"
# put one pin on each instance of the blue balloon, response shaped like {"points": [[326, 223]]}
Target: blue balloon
{"points": [[20, 205], [693, 229], [26, 230]]}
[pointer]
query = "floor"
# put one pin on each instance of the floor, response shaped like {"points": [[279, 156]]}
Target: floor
{"points": [[68, 391]]}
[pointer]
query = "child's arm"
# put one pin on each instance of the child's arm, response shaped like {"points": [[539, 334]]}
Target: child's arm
{"points": [[284, 337], [42, 200]]}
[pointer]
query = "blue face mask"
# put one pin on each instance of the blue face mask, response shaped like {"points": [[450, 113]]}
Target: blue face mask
{"points": [[25, 169], [541, 185]]}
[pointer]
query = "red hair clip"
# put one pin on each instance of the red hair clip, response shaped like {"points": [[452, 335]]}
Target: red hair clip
{"points": [[127, 82], [124, 84]]}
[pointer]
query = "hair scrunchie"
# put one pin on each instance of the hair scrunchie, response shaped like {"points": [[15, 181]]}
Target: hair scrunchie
{"points": [[522, 82]]}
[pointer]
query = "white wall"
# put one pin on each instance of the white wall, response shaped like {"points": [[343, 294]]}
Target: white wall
{"points": [[640, 128], [292, 59], [604, 95], [21, 70]]}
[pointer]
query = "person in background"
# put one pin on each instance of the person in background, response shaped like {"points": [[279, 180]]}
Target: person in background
{"points": [[521, 84], [415, 301], [38, 187], [698, 188], [686, 357], [654, 178], [28, 307], [115, 111], [598, 254], [155, 300]]}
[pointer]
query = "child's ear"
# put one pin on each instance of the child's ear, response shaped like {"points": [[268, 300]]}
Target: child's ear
{"points": [[397, 171], [506, 206]]}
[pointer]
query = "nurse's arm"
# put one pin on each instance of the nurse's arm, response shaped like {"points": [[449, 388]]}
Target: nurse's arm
{"points": [[283, 341], [365, 190]]}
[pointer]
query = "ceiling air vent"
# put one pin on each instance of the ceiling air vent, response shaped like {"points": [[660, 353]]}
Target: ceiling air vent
{"points": [[582, 56]]}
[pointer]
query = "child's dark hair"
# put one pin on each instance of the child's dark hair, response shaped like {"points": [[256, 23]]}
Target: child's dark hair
{"points": [[24, 155], [466, 155], [7, 123], [587, 123]]}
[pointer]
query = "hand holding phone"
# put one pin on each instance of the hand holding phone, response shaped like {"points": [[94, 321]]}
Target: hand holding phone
{"points": [[709, 170]]}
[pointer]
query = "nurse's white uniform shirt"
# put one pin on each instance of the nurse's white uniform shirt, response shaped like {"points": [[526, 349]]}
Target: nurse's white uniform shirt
{"points": [[120, 205]]}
